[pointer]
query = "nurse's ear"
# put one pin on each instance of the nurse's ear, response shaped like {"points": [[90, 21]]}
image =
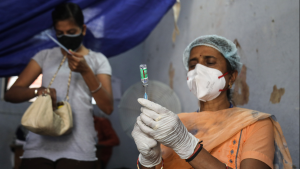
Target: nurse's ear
{"points": [[83, 29], [233, 77]]}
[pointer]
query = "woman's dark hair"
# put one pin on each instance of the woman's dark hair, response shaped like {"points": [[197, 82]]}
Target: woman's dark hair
{"points": [[230, 70], [68, 11]]}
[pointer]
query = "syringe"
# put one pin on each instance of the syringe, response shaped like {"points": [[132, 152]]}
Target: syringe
{"points": [[144, 77]]}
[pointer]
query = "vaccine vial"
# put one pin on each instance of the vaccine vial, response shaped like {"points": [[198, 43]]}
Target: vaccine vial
{"points": [[144, 74]]}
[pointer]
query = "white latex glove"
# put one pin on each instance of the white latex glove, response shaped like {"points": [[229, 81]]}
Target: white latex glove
{"points": [[166, 127], [150, 153]]}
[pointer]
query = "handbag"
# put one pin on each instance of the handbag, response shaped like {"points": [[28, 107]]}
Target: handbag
{"points": [[40, 118]]}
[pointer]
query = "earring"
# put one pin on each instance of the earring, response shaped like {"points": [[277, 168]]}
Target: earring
{"points": [[230, 86]]}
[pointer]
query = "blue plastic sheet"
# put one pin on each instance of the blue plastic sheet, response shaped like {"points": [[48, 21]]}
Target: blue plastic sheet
{"points": [[114, 26]]}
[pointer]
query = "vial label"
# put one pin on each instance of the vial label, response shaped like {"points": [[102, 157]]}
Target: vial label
{"points": [[144, 74]]}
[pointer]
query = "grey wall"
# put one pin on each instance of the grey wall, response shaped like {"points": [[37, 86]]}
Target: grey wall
{"points": [[10, 118], [268, 35]]}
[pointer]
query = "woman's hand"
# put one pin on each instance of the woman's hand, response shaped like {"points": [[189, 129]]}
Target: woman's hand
{"points": [[150, 153], [51, 92], [103, 96], [166, 127], [77, 63]]}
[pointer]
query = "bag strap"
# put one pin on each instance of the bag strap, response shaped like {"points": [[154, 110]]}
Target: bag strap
{"points": [[69, 81]]}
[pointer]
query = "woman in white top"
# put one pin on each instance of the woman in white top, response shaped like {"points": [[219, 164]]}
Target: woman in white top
{"points": [[91, 77]]}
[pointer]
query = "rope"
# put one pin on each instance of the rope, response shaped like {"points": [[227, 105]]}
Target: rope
{"points": [[54, 76]]}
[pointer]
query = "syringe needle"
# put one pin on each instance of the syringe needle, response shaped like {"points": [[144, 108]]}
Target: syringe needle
{"points": [[145, 96]]}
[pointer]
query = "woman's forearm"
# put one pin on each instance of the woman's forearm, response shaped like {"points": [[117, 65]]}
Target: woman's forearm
{"points": [[18, 94], [103, 99], [205, 160]]}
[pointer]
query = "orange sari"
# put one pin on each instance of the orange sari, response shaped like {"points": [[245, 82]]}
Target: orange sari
{"points": [[224, 127]]}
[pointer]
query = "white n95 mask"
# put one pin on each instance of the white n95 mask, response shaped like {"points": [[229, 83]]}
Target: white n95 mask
{"points": [[206, 83]]}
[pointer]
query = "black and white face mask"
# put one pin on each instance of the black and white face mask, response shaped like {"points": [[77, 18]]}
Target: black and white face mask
{"points": [[72, 42]]}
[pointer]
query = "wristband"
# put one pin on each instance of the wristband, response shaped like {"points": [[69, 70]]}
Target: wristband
{"points": [[94, 91], [138, 167], [35, 92], [195, 153]]}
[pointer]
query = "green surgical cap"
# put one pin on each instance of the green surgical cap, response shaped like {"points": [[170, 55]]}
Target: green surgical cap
{"points": [[223, 45]]}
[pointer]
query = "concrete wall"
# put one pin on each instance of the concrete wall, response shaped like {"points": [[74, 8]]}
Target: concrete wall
{"points": [[10, 118], [268, 35]]}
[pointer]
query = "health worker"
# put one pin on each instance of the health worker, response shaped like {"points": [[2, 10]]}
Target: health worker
{"points": [[220, 135]]}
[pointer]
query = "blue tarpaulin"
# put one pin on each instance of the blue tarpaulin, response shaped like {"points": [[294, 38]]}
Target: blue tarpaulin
{"points": [[114, 26]]}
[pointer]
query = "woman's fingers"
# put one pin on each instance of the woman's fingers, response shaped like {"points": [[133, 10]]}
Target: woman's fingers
{"points": [[149, 121], [136, 131], [77, 64], [140, 138], [150, 113], [69, 57], [72, 58], [51, 92], [72, 66], [53, 98], [144, 127], [41, 90], [153, 106], [76, 54]]}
